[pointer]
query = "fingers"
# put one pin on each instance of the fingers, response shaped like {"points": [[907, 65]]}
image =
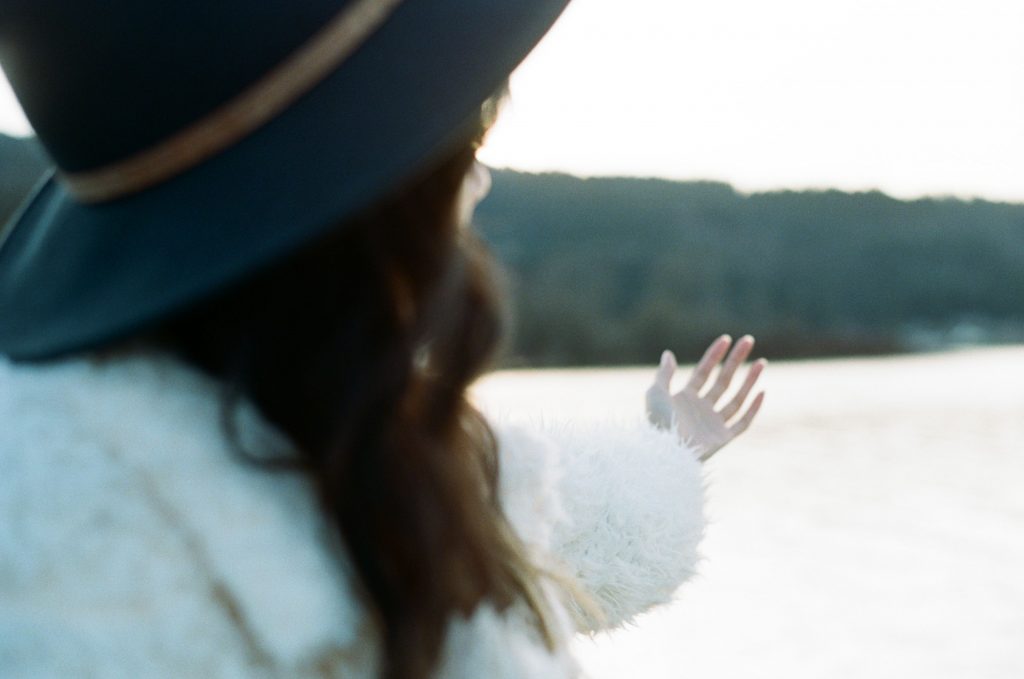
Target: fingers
{"points": [[658, 398], [737, 356], [711, 358], [744, 422], [733, 406], [667, 368]]}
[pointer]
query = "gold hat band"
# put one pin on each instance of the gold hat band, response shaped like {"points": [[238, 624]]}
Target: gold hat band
{"points": [[240, 116]]}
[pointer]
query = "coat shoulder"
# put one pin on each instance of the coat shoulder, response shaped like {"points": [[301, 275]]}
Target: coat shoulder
{"points": [[124, 505], [137, 543]]}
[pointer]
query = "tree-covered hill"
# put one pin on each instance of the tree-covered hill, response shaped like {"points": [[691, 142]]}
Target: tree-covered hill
{"points": [[21, 164], [608, 271]]}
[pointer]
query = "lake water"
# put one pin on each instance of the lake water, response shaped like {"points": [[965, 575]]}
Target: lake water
{"points": [[870, 525]]}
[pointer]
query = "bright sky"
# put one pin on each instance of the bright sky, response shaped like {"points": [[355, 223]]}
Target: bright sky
{"points": [[909, 96]]}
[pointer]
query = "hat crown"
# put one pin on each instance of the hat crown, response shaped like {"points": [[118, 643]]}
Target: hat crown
{"points": [[329, 105], [101, 81]]}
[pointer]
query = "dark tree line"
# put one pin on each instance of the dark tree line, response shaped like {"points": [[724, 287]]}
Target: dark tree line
{"points": [[610, 271], [22, 163]]}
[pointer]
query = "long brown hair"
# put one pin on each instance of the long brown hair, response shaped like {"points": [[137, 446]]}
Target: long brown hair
{"points": [[360, 348]]}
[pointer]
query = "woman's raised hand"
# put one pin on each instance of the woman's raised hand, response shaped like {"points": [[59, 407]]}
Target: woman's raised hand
{"points": [[695, 410]]}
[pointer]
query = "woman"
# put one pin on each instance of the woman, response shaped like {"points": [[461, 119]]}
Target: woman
{"points": [[240, 324]]}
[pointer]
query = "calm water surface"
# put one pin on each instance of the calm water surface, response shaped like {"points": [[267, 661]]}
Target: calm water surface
{"points": [[870, 525]]}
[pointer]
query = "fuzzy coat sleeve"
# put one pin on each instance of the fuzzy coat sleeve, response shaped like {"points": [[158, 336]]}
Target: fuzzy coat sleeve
{"points": [[622, 507]]}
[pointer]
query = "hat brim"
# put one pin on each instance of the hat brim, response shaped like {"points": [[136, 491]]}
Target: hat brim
{"points": [[74, 276]]}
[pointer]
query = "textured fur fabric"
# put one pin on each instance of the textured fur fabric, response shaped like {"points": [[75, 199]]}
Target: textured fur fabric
{"points": [[133, 543]]}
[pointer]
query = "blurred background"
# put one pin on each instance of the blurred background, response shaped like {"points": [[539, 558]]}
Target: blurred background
{"points": [[845, 180], [842, 177]]}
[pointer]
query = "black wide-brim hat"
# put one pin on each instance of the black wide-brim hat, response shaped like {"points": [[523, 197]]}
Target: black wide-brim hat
{"points": [[197, 141]]}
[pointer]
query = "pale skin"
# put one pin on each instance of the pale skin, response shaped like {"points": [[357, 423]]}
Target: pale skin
{"points": [[703, 418]]}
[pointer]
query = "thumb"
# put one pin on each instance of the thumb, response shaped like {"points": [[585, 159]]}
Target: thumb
{"points": [[667, 368]]}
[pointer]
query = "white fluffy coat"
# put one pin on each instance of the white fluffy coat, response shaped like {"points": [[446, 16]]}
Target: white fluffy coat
{"points": [[134, 544]]}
